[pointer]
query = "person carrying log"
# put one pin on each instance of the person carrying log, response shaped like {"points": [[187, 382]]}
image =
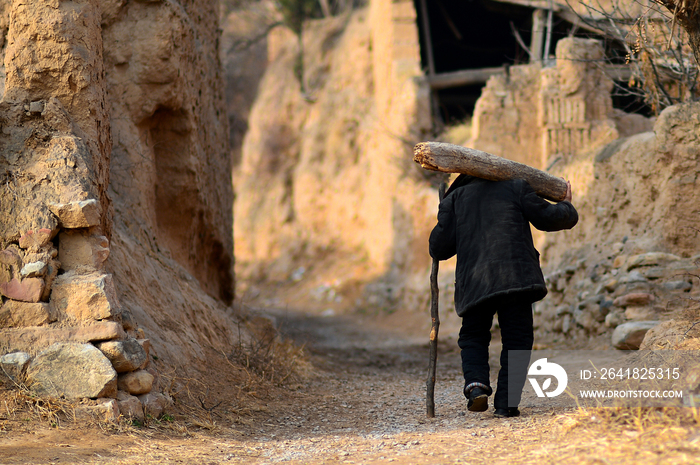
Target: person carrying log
{"points": [[487, 225]]}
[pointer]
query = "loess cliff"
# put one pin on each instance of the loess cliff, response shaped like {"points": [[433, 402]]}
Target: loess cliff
{"points": [[333, 213], [116, 194]]}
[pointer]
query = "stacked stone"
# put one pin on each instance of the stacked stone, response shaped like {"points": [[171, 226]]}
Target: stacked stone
{"points": [[27, 271], [623, 294], [63, 331], [92, 348], [114, 374]]}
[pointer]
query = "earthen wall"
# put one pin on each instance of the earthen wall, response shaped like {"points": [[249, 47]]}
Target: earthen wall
{"points": [[115, 197]]}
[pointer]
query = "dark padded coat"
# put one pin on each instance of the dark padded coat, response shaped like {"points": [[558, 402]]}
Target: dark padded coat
{"points": [[487, 224]]}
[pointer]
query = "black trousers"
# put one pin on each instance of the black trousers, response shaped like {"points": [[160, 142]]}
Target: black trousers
{"points": [[517, 334]]}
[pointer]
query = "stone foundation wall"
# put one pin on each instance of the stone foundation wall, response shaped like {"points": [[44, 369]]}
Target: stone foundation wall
{"points": [[632, 257]]}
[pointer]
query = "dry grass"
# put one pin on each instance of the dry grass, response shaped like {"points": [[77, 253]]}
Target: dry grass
{"points": [[642, 419], [626, 435], [21, 410], [51, 410], [635, 434], [265, 356], [228, 389], [233, 387], [279, 362], [20, 404]]}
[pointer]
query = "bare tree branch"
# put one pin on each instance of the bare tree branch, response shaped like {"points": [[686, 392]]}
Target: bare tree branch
{"points": [[520, 40], [245, 44]]}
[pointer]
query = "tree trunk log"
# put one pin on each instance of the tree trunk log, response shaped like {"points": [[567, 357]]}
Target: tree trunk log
{"points": [[449, 158]]}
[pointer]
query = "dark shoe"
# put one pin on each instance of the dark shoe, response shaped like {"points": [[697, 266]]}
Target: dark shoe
{"points": [[478, 400], [506, 412]]}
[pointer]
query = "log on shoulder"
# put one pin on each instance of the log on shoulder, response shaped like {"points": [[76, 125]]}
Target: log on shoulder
{"points": [[449, 158]]}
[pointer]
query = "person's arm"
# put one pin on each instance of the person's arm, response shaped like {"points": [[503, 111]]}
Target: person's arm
{"points": [[546, 216], [443, 241]]}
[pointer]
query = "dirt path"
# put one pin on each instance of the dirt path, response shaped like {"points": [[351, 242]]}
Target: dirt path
{"points": [[366, 404]]}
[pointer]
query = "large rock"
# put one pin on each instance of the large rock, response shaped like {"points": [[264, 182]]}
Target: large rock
{"points": [[72, 370], [127, 355], [629, 336], [83, 297], [19, 314], [155, 404], [79, 249], [34, 339], [25, 290], [136, 382], [12, 365], [130, 406], [81, 214]]}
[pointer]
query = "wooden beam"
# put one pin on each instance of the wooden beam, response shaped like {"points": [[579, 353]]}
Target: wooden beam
{"points": [[462, 78], [425, 21], [467, 77], [428, 43], [541, 4], [325, 8], [537, 41], [548, 39], [449, 158]]}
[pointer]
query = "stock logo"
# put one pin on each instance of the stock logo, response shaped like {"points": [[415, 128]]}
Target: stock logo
{"points": [[541, 369]]}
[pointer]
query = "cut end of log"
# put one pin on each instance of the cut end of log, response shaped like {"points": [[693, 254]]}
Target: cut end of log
{"points": [[421, 156]]}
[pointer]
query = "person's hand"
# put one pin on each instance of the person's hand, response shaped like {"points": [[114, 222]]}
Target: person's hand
{"points": [[567, 197]]}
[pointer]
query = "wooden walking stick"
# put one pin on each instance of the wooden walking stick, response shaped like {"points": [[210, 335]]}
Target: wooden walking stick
{"points": [[434, 328]]}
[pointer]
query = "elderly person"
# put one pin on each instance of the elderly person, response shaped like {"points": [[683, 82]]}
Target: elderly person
{"points": [[487, 225]]}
